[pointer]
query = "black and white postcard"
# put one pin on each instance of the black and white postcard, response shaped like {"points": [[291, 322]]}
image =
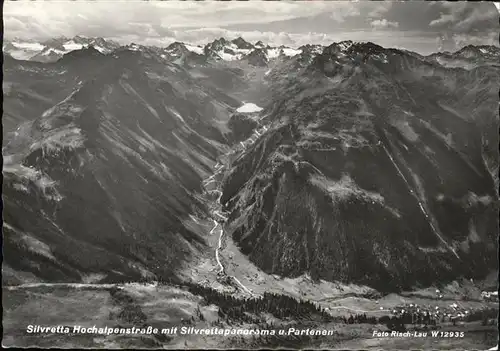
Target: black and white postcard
{"points": [[250, 175]]}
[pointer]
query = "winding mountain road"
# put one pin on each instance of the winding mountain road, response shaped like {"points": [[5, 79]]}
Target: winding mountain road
{"points": [[356, 310], [217, 212], [62, 285], [219, 246]]}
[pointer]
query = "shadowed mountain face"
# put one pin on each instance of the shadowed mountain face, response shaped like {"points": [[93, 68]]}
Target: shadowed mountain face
{"points": [[257, 58], [242, 127], [378, 168], [104, 179]]}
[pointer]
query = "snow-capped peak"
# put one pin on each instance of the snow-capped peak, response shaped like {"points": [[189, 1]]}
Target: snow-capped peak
{"points": [[225, 50], [242, 43], [53, 49]]}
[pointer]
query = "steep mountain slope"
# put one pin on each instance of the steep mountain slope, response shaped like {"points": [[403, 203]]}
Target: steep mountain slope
{"points": [[101, 183], [378, 168], [257, 57]]}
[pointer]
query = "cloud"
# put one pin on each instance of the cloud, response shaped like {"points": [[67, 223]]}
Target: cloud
{"points": [[478, 16], [442, 20], [15, 24], [458, 24], [384, 24], [345, 12], [381, 9], [450, 13], [463, 17], [462, 40]]}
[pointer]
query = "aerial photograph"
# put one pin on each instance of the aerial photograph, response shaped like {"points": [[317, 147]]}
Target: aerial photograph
{"points": [[246, 175]]}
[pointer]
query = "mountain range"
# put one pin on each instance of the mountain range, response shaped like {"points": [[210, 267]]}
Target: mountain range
{"points": [[376, 166], [53, 49], [221, 49]]}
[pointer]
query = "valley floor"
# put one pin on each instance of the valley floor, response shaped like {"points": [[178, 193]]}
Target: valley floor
{"points": [[164, 307]]}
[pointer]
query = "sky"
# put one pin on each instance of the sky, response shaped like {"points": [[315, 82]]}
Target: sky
{"points": [[423, 27]]}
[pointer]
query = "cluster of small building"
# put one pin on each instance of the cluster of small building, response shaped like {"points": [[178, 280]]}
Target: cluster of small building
{"points": [[427, 314], [490, 295]]}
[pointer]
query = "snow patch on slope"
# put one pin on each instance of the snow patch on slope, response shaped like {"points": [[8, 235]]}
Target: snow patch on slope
{"points": [[228, 57], [24, 51], [54, 51], [28, 46], [249, 108], [273, 53], [101, 49], [71, 45], [196, 49], [291, 52]]}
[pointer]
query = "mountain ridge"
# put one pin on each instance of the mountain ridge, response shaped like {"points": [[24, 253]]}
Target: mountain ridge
{"points": [[221, 48]]}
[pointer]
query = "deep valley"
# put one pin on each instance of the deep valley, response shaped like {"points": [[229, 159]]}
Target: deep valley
{"points": [[347, 187]]}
